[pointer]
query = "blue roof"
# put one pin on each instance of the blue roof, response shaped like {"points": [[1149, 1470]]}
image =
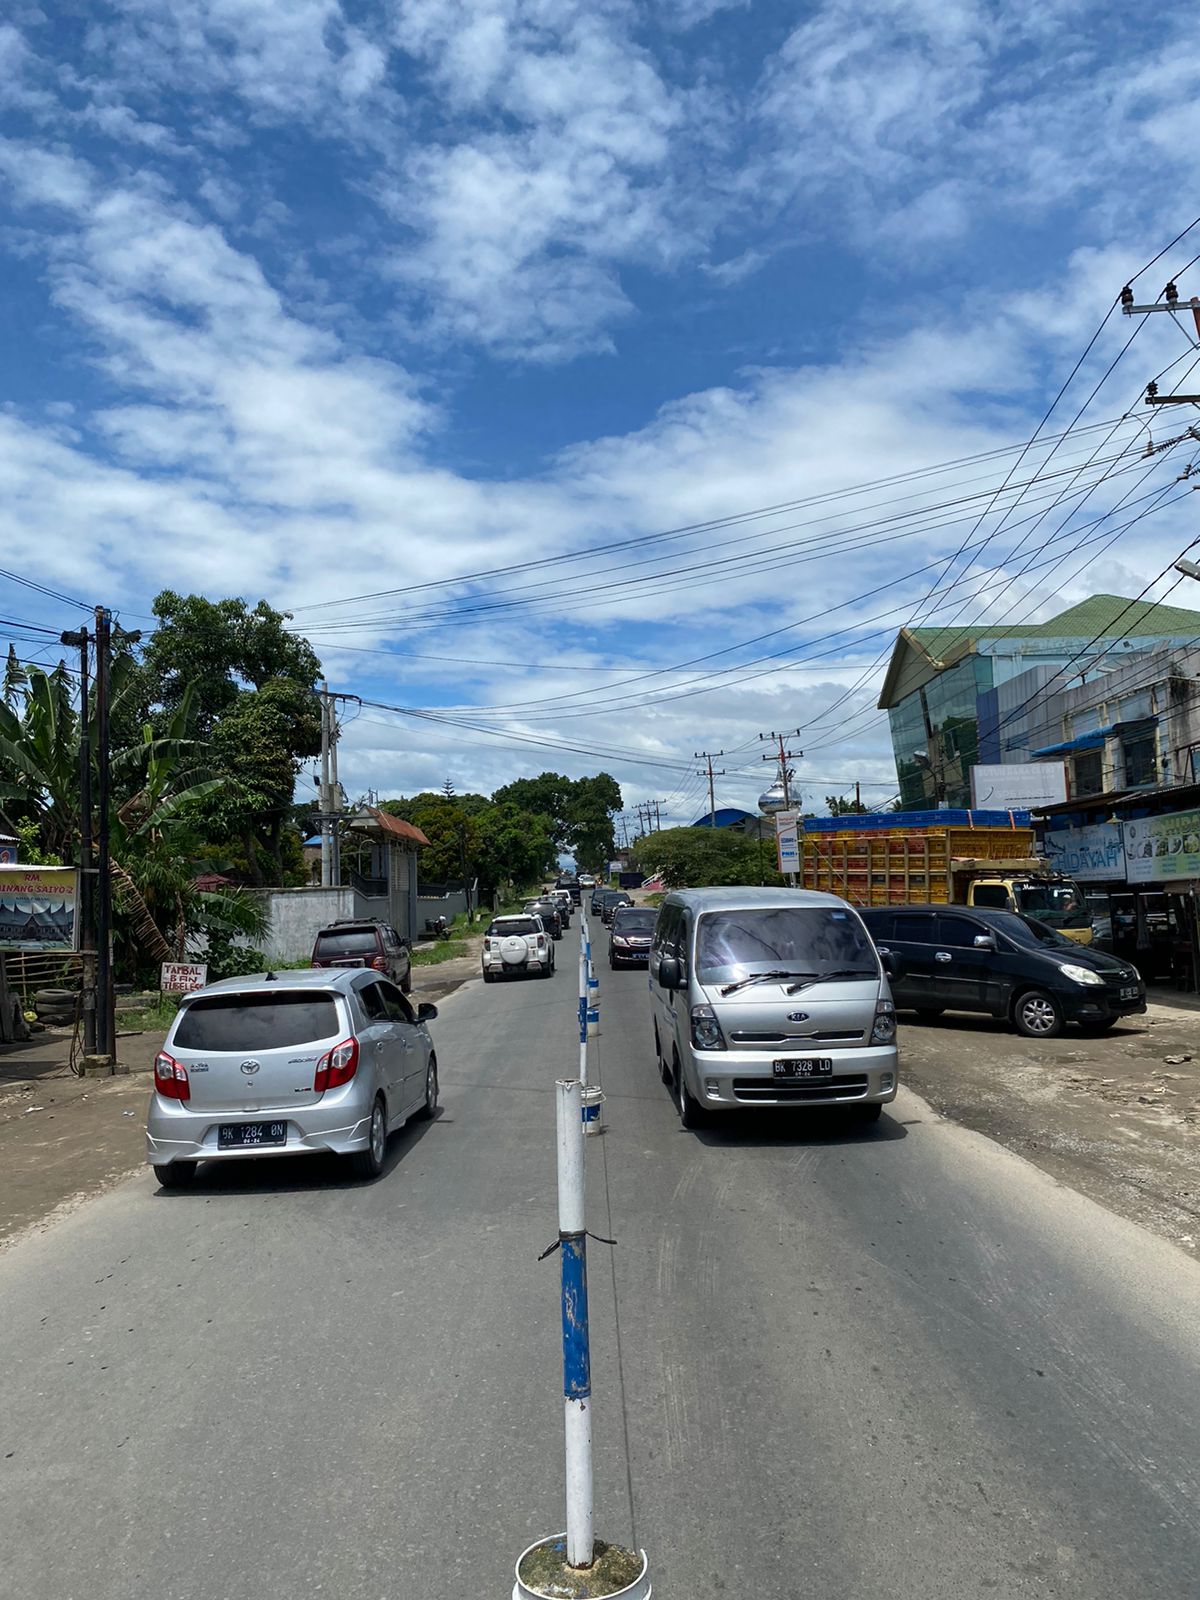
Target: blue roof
{"points": [[918, 819], [1085, 741], [724, 817]]}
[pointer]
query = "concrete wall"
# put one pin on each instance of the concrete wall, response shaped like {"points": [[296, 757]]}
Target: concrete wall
{"points": [[297, 914], [448, 905]]}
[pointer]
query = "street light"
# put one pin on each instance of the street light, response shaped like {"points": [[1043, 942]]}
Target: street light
{"points": [[1190, 569]]}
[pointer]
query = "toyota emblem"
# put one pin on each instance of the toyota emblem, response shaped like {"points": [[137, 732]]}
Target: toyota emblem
{"points": [[249, 1068], [797, 1016]]}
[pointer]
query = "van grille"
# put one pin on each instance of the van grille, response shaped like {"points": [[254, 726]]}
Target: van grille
{"points": [[794, 1039], [848, 1087]]}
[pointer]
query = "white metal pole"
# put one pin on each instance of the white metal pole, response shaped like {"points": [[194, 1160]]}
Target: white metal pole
{"points": [[577, 1376]]}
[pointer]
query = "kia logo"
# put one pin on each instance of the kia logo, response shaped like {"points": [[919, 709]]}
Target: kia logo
{"points": [[249, 1068], [793, 1016]]}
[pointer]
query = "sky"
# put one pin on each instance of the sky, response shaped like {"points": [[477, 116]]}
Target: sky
{"points": [[596, 383]]}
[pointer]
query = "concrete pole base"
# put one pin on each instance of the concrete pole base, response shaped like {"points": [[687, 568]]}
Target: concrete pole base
{"points": [[97, 1067], [639, 1589]]}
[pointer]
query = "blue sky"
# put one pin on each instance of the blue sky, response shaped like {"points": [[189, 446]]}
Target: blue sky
{"points": [[319, 300]]}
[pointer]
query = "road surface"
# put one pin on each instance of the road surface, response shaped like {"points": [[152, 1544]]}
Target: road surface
{"points": [[893, 1363]]}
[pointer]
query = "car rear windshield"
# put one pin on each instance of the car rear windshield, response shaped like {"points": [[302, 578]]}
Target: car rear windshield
{"points": [[256, 1021], [498, 930], [635, 918], [347, 942], [808, 939]]}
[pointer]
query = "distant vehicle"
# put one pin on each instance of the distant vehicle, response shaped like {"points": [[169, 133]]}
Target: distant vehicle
{"points": [[365, 944], [966, 858], [515, 947], [630, 880], [562, 899], [770, 997], [959, 958], [551, 916], [631, 931], [285, 1065], [610, 899], [586, 880], [572, 887]]}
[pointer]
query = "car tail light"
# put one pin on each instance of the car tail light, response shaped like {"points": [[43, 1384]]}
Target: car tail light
{"points": [[170, 1079], [541, 938], [337, 1066], [380, 964]]}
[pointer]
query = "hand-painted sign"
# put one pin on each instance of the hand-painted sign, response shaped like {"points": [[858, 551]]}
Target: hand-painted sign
{"points": [[37, 908], [1159, 849], [1090, 855], [182, 977]]}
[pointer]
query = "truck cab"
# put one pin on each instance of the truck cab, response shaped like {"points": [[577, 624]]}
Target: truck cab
{"points": [[1051, 898]]}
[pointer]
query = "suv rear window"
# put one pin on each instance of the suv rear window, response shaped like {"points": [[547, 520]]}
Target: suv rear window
{"points": [[256, 1021], [499, 930], [347, 942]]}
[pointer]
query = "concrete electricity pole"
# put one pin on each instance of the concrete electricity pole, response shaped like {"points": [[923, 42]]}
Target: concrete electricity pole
{"points": [[323, 788], [783, 755], [708, 757], [105, 1042]]}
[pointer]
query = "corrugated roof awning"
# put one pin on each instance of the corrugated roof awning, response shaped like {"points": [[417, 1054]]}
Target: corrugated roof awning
{"points": [[1085, 741]]}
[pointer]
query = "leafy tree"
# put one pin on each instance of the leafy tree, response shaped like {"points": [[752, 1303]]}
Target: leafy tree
{"points": [[514, 847], [217, 647], [838, 806], [697, 858], [453, 834], [580, 810]]}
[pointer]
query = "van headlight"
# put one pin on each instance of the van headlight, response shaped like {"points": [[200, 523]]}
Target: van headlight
{"points": [[884, 1030], [706, 1030], [1080, 974]]}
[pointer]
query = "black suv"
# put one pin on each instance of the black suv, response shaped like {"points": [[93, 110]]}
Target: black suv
{"points": [[962, 958], [552, 917], [610, 899], [572, 887], [365, 944]]}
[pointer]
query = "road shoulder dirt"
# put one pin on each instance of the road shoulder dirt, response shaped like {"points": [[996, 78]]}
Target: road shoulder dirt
{"points": [[1115, 1117]]}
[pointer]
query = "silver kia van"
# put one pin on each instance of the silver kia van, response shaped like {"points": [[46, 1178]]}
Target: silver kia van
{"points": [[770, 997]]}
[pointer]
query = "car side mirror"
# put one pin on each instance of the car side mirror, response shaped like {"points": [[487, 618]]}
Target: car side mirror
{"points": [[426, 1012], [985, 941], [670, 975]]}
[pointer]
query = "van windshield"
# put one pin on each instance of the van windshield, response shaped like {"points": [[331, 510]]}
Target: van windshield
{"points": [[803, 939]]}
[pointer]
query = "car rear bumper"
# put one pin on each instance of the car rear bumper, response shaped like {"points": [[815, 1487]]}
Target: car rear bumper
{"points": [[742, 1079], [176, 1133]]}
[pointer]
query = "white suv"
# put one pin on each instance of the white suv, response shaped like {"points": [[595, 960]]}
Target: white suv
{"points": [[516, 946]]}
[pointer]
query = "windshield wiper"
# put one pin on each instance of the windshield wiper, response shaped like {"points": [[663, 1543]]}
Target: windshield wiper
{"points": [[764, 977], [821, 977]]}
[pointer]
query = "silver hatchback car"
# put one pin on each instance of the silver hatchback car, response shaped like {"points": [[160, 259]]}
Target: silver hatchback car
{"points": [[288, 1065]]}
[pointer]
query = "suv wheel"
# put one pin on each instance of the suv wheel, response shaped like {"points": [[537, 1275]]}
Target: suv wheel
{"points": [[1038, 1015]]}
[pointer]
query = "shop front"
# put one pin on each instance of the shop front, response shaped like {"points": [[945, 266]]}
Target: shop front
{"points": [[1136, 855]]}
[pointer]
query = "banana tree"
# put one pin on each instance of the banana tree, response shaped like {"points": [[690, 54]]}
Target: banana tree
{"points": [[39, 758]]}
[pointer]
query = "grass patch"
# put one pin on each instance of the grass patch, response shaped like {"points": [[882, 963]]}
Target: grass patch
{"points": [[150, 1014], [444, 950]]}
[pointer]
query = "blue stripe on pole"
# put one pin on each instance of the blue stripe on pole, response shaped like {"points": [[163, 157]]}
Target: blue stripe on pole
{"points": [[577, 1364], [583, 1019]]}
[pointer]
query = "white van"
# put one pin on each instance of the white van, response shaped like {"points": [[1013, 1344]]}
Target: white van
{"points": [[770, 997]]}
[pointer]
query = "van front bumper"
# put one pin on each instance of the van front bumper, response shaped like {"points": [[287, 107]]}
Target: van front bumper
{"points": [[736, 1078]]}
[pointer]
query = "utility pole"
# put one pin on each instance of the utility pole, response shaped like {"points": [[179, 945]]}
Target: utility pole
{"points": [[1170, 303], [335, 794], [326, 808], [783, 756], [708, 757], [105, 1041], [84, 911]]}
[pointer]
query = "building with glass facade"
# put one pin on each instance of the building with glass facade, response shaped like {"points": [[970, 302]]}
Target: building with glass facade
{"points": [[957, 697]]}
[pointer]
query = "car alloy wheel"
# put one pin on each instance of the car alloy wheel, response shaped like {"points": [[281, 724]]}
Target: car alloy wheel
{"points": [[1038, 1016], [368, 1163], [429, 1109]]}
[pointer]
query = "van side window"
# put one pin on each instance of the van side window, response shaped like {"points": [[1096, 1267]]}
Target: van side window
{"points": [[914, 925], [666, 931], [880, 924]]}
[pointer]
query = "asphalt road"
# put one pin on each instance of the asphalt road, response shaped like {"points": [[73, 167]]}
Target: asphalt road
{"points": [[891, 1364]]}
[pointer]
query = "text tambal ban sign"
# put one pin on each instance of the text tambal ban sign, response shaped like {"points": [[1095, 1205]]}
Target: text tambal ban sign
{"points": [[181, 977]]}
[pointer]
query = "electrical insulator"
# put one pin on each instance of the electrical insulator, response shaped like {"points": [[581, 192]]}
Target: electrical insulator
{"points": [[1171, 294], [1126, 296]]}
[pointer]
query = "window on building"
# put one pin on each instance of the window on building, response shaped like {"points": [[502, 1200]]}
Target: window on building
{"points": [[1088, 773], [1139, 747]]}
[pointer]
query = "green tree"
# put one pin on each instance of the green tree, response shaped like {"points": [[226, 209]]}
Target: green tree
{"points": [[453, 835], [838, 806], [515, 847], [698, 858], [215, 648], [580, 810]]}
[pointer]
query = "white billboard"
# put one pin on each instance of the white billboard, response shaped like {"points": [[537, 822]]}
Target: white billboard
{"points": [[1020, 786], [787, 841], [1094, 854]]}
